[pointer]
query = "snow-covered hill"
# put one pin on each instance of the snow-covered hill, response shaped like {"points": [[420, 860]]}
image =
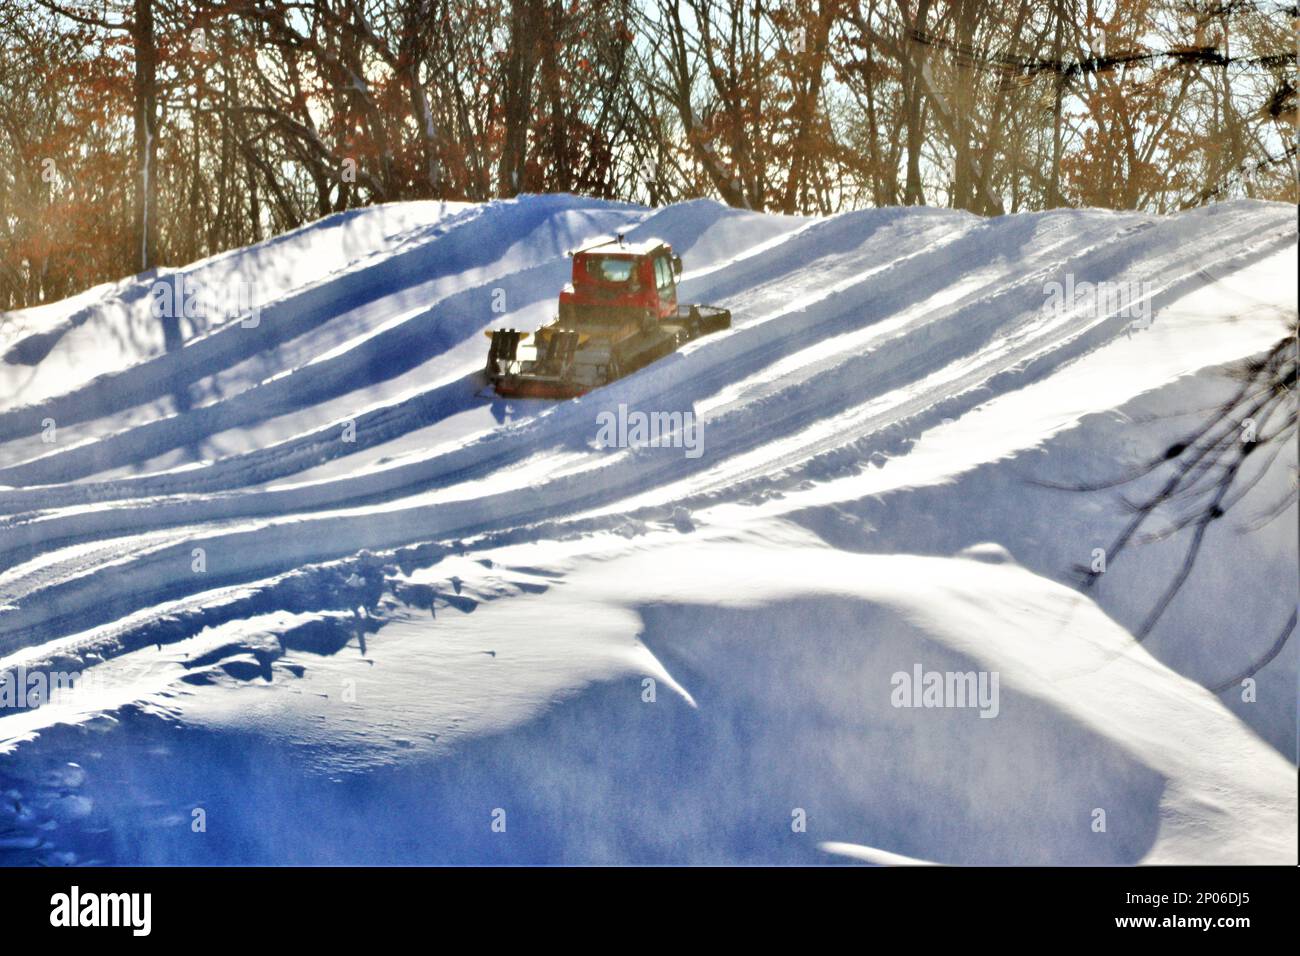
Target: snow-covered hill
{"points": [[331, 599]]}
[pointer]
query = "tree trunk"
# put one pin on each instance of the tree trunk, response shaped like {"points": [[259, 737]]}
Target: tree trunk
{"points": [[1054, 194], [913, 63], [144, 253], [517, 97]]}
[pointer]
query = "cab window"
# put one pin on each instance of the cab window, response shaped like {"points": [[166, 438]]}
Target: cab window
{"points": [[609, 269], [663, 273]]}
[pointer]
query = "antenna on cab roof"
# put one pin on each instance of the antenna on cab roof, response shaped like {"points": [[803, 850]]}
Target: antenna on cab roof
{"points": [[618, 239]]}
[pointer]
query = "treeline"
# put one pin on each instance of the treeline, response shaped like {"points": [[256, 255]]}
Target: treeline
{"points": [[137, 133]]}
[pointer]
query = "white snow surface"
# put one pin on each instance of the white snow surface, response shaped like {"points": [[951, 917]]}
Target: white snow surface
{"points": [[317, 580]]}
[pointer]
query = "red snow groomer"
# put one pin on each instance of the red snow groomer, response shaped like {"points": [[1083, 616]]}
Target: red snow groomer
{"points": [[618, 314]]}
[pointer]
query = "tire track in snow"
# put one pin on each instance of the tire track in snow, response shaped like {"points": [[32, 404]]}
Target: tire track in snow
{"points": [[282, 545]]}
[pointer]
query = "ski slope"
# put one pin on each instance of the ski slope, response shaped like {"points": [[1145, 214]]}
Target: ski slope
{"points": [[311, 562]]}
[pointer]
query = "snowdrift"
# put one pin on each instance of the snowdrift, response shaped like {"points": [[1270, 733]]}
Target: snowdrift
{"points": [[308, 561]]}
